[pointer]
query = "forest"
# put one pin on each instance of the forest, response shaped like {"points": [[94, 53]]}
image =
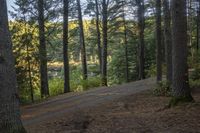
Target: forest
{"points": [[63, 58]]}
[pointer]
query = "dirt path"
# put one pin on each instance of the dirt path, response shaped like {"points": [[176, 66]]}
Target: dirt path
{"points": [[57, 107]]}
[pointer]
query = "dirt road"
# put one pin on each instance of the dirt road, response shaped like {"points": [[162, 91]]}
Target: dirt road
{"points": [[58, 106]]}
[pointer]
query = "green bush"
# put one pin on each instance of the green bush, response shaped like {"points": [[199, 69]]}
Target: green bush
{"points": [[152, 71], [195, 83], [24, 95], [56, 86], [82, 85], [195, 74], [162, 89], [195, 77]]}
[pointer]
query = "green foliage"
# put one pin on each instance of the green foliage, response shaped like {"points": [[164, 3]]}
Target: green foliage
{"points": [[150, 47], [194, 59], [25, 48], [151, 72], [195, 74], [25, 96], [162, 89], [116, 67], [25, 34], [91, 83], [83, 85], [77, 84], [56, 86], [195, 84]]}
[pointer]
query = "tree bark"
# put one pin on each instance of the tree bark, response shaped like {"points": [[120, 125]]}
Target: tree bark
{"points": [[42, 51], [141, 26], [189, 22], [158, 40], [82, 41], [98, 35], [29, 74], [9, 100], [180, 87], [105, 41], [126, 47], [198, 26], [168, 39], [65, 46]]}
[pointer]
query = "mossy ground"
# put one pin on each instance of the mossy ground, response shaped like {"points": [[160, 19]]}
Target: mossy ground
{"points": [[179, 100]]}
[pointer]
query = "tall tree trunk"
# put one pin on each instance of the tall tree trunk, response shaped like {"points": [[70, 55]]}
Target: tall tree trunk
{"points": [[29, 63], [98, 35], [65, 46], [29, 74], [189, 21], [42, 51], [141, 20], [105, 41], [168, 39], [126, 47], [158, 40], [181, 89], [9, 100], [198, 26], [82, 41]]}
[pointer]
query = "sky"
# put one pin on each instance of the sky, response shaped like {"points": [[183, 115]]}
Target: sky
{"points": [[9, 4]]}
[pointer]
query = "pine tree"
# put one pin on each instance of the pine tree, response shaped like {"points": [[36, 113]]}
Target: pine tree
{"points": [[198, 25], [42, 50], [105, 41], [82, 41], [158, 40], [141, 26], [168, 39], [65, 46], [9, 100], [98, 34], [180, 88]]}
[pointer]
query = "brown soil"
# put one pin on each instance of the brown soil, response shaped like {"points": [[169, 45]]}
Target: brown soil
{"points": [[137, 113]]}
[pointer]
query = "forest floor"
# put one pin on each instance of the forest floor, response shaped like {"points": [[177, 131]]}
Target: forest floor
{"points": [[128, 108]]}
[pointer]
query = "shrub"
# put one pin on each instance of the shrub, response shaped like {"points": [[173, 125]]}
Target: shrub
{"points": [[162, 89], [152, 71], [195, 83], [56, 86], [83, 85], [195, 74]]}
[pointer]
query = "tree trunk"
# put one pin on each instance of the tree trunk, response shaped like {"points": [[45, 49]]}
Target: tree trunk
{"points": [[198, 25], [98, 35], [29, 74], [82, 41], [105, 41], [126, 47], [42, 51], [27, 43], [181, 90], [141, 25], [65, 47], [9, 100], [168, 39], [189, 21], [158, 40]]}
